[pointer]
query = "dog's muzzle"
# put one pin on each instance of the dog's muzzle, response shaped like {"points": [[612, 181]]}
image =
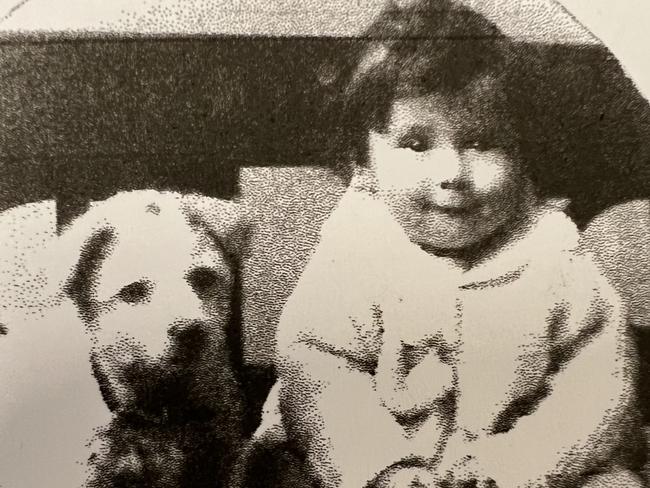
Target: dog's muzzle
{"points": [[157, 386], [188, 342]]}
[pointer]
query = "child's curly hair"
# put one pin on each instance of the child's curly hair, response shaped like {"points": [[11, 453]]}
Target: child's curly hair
{"points": [[427, 47], [573, 119]]}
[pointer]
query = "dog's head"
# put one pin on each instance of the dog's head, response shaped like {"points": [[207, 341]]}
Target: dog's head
{"points": [[152, 279]]}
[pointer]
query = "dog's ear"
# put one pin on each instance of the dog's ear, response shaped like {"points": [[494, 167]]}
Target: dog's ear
{"points": [[227, 222], [80, 285], [80, 249]]}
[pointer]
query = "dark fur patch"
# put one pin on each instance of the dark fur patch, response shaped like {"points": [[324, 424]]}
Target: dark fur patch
{"points": [[80, 286]]}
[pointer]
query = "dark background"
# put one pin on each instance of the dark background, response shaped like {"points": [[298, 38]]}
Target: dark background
{"points": [[81, 118]]}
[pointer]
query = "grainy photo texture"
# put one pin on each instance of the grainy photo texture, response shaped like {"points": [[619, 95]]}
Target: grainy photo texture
{"points": [[346, 244]]}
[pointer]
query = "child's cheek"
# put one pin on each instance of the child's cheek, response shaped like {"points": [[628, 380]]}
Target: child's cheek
{"points": [[490, 172], [397, 169], [402, 177]]}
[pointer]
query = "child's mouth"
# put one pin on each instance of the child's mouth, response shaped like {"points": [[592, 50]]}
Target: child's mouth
{"points": [[453, 211], [462, 210], [457, 207]]}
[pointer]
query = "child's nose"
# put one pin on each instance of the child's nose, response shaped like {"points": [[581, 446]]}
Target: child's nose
{"points": [[446, 168]]}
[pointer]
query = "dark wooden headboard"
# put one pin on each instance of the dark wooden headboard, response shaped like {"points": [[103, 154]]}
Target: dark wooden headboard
{"points": [[81, 118]]}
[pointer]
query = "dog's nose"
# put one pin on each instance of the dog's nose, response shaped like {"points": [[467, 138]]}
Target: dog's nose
{"points": [[188, 335]]}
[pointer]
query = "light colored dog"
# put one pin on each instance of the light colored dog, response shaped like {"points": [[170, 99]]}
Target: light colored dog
{"points": [[153, 279]]}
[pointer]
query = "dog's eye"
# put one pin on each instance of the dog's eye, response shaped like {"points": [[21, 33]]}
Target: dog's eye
{"points": [[136, 292], [202, 279]]}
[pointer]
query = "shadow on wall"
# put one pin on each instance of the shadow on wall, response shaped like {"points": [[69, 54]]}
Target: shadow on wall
{"points": [[288, 208]]}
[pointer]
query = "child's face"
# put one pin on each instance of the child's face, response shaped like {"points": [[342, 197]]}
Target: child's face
{"points": [[445, 170]]}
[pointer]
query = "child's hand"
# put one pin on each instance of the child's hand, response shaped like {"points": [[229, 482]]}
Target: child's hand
{"points": [[406, 477], [462, 466], [464, 472], [480, 464]]}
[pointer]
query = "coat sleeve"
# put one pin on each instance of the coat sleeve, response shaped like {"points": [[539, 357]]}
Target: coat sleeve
{"points": [[332, 410], [328, 343], [584, 419]]}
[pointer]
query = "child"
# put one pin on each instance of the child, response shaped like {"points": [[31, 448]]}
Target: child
{"points": [[447, 329]]}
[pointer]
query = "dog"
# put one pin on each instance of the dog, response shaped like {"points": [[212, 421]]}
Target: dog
{"points": [[154, 279]]}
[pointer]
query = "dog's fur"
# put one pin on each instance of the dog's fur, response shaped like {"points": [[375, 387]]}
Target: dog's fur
{"points": [[154, 278]]}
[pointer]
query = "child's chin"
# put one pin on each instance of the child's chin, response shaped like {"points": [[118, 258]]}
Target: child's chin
{"points": [[444, 237]]}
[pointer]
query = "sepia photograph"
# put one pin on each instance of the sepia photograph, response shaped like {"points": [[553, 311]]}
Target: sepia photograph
{"points": [[324, 244]]}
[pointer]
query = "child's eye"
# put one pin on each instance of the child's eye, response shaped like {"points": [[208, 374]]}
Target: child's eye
{"points": [[479, 144], [414, 143]]}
